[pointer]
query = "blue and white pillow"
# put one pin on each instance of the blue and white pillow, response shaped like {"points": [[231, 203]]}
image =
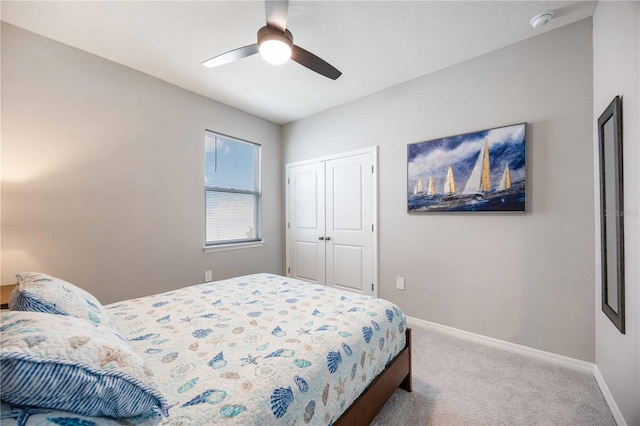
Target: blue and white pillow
{"points": [[38, 292], [62, 362]]}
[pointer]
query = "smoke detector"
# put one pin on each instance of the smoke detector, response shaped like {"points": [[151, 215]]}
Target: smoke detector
{"points": [[541, 20]]}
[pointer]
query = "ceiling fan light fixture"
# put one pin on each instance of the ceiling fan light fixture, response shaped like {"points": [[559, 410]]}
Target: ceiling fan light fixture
{"points": [[275, 51], [274, 46]]}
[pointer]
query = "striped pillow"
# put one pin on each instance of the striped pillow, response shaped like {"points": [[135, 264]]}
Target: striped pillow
{"points": [[62, 362], [38, 292]]}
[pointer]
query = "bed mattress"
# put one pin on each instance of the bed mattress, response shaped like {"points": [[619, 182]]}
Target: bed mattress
{"points": [[257, 349]]}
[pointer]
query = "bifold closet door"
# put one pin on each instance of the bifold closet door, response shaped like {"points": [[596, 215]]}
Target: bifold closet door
{"points": [[306, 245], [330, 219], [349, 223]]}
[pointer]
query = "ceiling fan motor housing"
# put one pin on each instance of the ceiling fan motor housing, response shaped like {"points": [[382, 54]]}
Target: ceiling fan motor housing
{"points": [[271, 33]]}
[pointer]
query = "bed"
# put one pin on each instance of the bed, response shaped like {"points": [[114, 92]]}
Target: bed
{"points": [[257, 349]]}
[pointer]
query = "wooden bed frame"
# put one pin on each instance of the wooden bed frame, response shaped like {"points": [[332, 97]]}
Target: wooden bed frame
{"points": [[370, 402]]}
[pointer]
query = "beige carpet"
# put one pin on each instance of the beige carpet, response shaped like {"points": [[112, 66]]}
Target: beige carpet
{"points": [[458, 382]]}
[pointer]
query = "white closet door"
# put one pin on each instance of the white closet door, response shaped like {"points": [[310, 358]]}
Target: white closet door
{"points": [[306, 251], [349, 223]]}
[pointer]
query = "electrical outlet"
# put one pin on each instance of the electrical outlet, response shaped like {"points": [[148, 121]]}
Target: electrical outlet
{"points": [[208, 276], [400, 283]]}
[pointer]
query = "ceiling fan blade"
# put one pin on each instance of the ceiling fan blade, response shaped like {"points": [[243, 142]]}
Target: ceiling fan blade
{"points": [[311, 61], [231, 56], [276, 11]]}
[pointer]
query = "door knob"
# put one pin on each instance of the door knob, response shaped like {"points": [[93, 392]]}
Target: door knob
{"points": [[328, 238], [321, 238]]}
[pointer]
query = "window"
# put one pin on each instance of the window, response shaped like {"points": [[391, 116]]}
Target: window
{"points": [[232, 190]]}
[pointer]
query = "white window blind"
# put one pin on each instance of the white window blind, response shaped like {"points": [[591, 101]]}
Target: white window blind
{"points": [[232, 190]]}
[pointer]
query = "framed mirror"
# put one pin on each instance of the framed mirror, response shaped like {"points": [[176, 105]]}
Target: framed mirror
{"points": [[612, 212]]}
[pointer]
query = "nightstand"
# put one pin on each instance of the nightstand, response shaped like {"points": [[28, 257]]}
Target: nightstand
{"points": [[5, 292]]}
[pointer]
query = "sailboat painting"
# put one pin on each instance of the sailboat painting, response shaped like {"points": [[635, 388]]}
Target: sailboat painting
{"points": [[478, 171]]}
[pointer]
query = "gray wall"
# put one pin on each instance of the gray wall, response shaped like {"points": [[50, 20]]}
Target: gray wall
{"points": [[524, 278], [102, 174], [616, 71]]}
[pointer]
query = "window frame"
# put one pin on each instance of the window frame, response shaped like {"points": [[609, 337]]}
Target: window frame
{"points": [[257, 194]]}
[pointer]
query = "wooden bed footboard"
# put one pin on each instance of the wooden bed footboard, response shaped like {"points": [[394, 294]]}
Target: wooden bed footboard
{"points": [[397, 374]]}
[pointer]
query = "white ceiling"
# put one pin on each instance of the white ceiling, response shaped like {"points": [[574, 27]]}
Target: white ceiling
{"points": [[376, 44]]}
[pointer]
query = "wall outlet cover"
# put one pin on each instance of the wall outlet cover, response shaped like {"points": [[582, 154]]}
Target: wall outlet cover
{"points": [[400, 283], [208, 276]]}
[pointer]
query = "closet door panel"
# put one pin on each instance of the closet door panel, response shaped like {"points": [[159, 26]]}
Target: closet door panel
{"points": [[349, 220], [307, 264], [306, 246], [347, 267]]}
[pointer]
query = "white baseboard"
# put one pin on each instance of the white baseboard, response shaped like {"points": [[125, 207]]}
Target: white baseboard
{"points": [[564, 361], [615, 410]]}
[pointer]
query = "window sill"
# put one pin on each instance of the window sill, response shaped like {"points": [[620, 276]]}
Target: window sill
{"points": [[235, 246]]}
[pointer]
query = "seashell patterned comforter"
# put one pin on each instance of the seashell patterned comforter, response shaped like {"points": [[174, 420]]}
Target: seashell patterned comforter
{"points": [[254, 350]]}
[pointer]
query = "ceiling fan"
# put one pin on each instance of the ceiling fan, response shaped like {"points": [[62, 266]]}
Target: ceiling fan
{"points": [[275, 44]]}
